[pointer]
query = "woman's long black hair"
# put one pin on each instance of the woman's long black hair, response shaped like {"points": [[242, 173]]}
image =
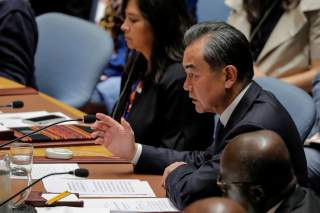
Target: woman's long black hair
{"points": [[169, 19]]}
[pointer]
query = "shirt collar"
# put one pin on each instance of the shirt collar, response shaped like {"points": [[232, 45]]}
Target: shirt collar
{"points": [[224, 117]]}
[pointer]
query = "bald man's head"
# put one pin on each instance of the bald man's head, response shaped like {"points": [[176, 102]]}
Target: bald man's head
{"points": [[257, 165], [260, 156], [214, 205]]}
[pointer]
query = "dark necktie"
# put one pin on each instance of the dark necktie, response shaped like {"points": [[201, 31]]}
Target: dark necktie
{"points": [[217, 135]]}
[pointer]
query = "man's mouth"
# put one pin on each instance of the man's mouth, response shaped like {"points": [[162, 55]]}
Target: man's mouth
{"points": [[193, 100]]}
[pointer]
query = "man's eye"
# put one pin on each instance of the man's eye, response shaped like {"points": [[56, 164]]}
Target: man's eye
{"points": [[194, 76]]}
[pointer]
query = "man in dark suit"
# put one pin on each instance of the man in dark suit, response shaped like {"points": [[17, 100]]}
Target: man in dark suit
{"points": [[219, 70], [260, 177]]}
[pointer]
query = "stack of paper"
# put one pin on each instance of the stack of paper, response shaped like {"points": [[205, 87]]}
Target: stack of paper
{"points": [[70, 210], [100, 187], [132, 204], [120, 205]]}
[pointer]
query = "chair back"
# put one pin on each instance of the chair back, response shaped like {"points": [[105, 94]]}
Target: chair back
{"points": [[212, 10], [70, 58], [297, 102]]}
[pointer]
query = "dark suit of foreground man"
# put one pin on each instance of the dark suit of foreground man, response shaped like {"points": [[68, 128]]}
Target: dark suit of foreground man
{"points": [[219, 71], [261, 178]]}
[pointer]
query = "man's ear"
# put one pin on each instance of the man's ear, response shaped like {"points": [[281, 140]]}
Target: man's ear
{"points": [[231, 75], [257, 193]]}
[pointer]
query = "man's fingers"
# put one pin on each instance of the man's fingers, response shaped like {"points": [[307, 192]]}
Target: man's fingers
{"points": [[100, 125], [107, 120], [125, 124], [99, 141], [166, 172], [164, 177], [96, 134], [104, 140]]}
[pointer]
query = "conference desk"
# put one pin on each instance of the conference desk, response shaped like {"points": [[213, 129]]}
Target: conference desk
{"points": [[40, 101]]}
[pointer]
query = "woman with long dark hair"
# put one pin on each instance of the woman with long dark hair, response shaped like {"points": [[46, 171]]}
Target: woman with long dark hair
{"points": [[284, 37], [152, 98]]}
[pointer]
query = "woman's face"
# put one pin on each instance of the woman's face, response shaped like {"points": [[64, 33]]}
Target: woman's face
{"points": [[137, 30]]}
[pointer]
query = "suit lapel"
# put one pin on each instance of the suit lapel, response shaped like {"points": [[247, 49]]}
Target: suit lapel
{"points": [[290, 23], [237, 115], [243, 106]]}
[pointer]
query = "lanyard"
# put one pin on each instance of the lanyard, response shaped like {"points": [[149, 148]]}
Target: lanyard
{"points": [[135, 88]]}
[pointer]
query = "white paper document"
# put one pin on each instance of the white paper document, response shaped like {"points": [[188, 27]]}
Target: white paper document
{"points": [[11, 120], [71, 210], [100, 187], [3, 128], [40, 170], [15, 119], [132, 204]]}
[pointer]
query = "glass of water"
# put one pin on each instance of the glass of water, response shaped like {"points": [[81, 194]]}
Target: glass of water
{"points": [[21, 158], [5, 182]]}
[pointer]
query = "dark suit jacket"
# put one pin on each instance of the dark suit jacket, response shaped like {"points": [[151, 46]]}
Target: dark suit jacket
{"points": [[18, 41], [163, 115], [258, 109], [302, 200]]}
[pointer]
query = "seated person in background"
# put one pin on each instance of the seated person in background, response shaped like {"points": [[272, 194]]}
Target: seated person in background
{"points": [[18, 41], [261, 177], [284, 37], [214, 205], [312, 152], [108, 89], [192, 7], [152, 97], [219, 70]]}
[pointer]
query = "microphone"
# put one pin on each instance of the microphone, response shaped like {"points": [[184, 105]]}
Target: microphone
{"points": [[86, 119], [89, 119], [119, 108], [14, 105], [78, 173]]}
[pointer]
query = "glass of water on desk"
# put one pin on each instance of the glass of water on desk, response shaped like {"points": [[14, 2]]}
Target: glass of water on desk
{"points": [[21, 158], [5, 182]]}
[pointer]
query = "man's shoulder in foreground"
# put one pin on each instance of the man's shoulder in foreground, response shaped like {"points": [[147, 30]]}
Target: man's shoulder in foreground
{"points": [[301, 200]]}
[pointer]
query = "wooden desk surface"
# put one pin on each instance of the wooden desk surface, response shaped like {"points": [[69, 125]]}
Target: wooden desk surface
{"points": [[99, 171], [8, 84]]}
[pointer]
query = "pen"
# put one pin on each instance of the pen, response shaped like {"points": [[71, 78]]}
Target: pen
{"points": [[58, 197]]}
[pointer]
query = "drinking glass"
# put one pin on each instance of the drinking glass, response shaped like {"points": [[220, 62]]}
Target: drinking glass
{"points": [[5, 182], [21, 158]]}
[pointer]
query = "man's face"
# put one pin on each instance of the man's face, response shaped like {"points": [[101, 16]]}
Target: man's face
{"points": [[233, 182], [206, 87]]}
